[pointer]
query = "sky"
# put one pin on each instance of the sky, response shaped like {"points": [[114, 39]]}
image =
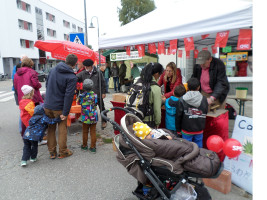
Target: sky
{"points": [[105, 10]]}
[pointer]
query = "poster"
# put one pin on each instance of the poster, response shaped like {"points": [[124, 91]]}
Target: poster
{"points": [[238, 56], [242, 166]]}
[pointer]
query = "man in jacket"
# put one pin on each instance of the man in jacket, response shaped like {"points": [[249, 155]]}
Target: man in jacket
{"points": [[122, 73], [211, 73], [60, 90], [92, 73]]}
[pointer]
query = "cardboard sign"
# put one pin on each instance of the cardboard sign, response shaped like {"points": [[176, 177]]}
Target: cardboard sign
{"points": [[242, 166]]}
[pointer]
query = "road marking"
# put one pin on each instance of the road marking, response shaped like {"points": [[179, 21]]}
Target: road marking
{"points": [[7, 99], [2, 91], [6, 94]]}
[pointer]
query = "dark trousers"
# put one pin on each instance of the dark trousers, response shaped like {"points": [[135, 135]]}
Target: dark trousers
{"points": [[103, 106], [116, 83], [30, 149]]}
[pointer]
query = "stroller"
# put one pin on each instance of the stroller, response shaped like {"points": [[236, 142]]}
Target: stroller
{"points": [[142, 160]]}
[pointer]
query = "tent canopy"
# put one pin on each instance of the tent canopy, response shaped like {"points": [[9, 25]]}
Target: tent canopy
{"points": [[181, 19]]}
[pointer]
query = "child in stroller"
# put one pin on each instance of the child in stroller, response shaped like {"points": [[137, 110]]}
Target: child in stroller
{"points": [[164, 164]]}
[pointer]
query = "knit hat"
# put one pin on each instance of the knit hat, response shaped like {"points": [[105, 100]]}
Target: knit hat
{"points": [[141, 129], [88, 62], [88, 84], [26, 89]]}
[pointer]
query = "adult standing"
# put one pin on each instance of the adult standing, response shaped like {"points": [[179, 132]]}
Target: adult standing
{"points": [[60, 89], [170, 78], [134, 71], [122, 74], [80, 67], [107, 74], [115, 74], [211, 73], [92, 73]]}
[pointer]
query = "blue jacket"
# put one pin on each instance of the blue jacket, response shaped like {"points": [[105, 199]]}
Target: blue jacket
{"points": [[38, 124], [170, 106], [60, 88]]}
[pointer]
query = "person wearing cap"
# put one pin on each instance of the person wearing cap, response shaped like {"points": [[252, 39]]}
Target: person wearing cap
{"points": [[211, 73], [60, 90], [92, 73]]}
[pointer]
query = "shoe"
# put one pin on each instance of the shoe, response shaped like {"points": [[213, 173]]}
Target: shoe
{"points": [[93, 150], [33, 159], [84, 148], [53, 155], [104, 124], [43, 142], [45, 138], [67, 154], [23, 163]]}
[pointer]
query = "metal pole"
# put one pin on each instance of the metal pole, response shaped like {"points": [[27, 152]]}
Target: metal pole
{"points": [[85, 19]]}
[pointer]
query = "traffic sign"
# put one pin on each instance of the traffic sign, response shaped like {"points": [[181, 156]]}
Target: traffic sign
{"points": [[77, 38]]}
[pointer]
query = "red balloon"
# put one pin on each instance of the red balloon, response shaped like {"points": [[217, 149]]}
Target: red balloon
{"points": [[232, 148], [215, 143]]}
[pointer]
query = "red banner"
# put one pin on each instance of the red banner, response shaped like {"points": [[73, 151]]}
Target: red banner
{"points": [[141, 50], [152, 48], [205, 36], [221, 39], [244, 39], [173, 46], [214, 49], [128, 50], [161, 48], [187, 54], [189, 44], [180, 53], [195, 53]]}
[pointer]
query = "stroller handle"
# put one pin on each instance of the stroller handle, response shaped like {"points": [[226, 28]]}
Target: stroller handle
{"points": [[104, 112]]}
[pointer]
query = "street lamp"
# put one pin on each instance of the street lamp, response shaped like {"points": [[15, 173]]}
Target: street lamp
{"points": [[99, 74]]}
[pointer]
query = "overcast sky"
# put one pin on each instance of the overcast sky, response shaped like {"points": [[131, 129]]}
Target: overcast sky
{"points": [[105, 10]]}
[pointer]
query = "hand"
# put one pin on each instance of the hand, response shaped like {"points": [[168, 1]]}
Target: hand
{"points": [[103, 96], [210, 100], [163, 98], [63, 117]]}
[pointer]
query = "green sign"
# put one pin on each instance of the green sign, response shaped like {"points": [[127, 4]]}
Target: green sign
{"points": [[227, 49]]}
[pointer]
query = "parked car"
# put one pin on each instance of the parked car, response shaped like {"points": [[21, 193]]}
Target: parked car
{"points": [[42, 76]]}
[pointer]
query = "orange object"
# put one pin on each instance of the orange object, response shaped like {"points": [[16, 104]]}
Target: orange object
{"points": [[74, 101], [186, 86], [74, 109]]}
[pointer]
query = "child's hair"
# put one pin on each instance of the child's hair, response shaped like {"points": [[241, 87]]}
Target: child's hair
{"points": [[193, 84], [28, 96], [179, 90]]}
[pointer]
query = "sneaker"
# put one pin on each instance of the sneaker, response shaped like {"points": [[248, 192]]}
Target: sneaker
{"points": [[84, 148], [23, 163], [53, 155], [33, 159], [42, 142], [67, 154], [93, 150]]}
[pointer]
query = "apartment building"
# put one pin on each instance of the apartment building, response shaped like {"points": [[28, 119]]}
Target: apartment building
{"points": [[24, 22]]}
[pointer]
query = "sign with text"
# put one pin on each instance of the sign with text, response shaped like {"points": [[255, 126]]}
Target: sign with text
{"points": [[123, 56], [242, 166]]}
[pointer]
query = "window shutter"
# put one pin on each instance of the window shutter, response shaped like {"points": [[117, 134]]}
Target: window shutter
{"points": [[27, 43]]}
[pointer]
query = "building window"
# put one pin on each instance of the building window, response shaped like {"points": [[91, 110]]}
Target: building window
{"points": [[66, 37], [80, 30], [74, 27], [50, 17], [25, 25], [51, 33], [38, 11], [26, 43], [66, 24], [23, 6]]}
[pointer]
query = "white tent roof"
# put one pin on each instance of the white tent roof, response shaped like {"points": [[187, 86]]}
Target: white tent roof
{"points": [[181, 19]]}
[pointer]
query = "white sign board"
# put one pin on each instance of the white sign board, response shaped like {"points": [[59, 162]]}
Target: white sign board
{"points": [[123, 56], [242, 166]]}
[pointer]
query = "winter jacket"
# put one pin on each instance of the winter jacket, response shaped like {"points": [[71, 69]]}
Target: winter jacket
{"points": [[107, 72], [135, 72], [94, 76], [170, 107], [88, 101], [38, 124], [218, 79], [115, 71], [191, 113], [26, 107], [60, 88], [122, 71], [27, 76], [178, 81]]}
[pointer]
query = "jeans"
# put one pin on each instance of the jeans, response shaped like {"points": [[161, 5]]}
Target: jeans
{"points": [[51, 133], [92, 128], [116, 82], [107, 84], [197, 138], [30, 149]]}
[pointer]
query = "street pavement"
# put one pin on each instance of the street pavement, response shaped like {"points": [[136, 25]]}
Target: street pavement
{"points": [[81, 176]]}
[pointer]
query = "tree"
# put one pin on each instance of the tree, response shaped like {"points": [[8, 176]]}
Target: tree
{"points": [[133, 9]]}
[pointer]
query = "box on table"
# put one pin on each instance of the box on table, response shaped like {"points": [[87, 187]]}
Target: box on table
{"points": [[222, 184], [119, 97]]}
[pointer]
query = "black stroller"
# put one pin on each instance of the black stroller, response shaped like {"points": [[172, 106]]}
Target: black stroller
{"points": [[164, 174]]}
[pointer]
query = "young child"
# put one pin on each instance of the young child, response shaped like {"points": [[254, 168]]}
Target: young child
{"points": [[88, 101], [143, 131], [26, 106], [34, 133], [191, 113], [170, 107]]}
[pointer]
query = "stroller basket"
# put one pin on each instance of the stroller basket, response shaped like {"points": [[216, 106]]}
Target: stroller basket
{"points": [[140, 160]]}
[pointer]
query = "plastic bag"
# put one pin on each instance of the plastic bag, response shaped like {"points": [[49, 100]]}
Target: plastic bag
{"points": [[185, 192]]}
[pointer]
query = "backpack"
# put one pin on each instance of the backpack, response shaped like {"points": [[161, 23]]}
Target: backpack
{"points": [[135, 99], [231, 111]]}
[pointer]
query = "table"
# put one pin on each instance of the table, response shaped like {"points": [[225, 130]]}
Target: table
{"points": [[240, 102]]}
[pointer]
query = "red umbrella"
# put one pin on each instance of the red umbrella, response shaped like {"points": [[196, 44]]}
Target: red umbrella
{"points": [[103, 58], [60, 49]]}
